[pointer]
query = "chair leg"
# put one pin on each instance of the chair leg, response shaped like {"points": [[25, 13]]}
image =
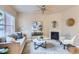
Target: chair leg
{"points": [[35, 46], [64, 46], [60, 43], [45, 45]]}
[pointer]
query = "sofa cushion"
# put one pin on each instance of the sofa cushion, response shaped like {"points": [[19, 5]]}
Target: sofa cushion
{"points": [[9, 39], [17, 35], [67, 36], [13, 35], [21, 40]]}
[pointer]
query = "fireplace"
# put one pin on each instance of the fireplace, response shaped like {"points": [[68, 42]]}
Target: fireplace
{"points": [[55, 35]]}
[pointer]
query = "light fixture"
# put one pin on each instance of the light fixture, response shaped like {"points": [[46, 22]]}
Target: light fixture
{"points": [[43, 8]]}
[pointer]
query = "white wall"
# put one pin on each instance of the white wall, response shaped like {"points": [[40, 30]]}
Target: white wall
{"points": [[70, 13], [25, 22], [9, 9], [73, 30]]}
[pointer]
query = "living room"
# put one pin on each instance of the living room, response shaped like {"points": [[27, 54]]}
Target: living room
{"points": [[54, 18]]}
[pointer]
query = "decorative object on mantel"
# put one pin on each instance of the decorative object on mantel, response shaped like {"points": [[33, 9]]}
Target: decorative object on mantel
{"points": [[70, 21], [54, 24]]}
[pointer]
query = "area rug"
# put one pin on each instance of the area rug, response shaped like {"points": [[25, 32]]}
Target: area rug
{"points": [[52, 47]]}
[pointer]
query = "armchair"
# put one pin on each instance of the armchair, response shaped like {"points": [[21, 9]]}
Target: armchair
{"points": [[66, 42]]}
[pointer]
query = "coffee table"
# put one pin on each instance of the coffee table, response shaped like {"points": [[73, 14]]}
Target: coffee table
{"points": [[39, 43]]}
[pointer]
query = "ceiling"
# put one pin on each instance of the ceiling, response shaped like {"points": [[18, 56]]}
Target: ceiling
{"points": [[29, 9]]}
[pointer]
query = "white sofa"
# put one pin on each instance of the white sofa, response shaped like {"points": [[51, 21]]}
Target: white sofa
{"points": [[15, 47]]}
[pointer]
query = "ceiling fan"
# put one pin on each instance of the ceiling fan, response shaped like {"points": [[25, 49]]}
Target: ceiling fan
{"points": [[45, 9]]}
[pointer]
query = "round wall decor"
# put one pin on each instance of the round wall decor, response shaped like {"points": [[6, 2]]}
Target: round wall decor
{"points": [[70, 21]]}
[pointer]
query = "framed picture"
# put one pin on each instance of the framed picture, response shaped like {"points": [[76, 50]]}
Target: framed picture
{"points": [[37, 25]]}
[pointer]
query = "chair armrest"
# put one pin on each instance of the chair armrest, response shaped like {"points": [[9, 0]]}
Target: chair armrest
{"points": [[21, 40]]}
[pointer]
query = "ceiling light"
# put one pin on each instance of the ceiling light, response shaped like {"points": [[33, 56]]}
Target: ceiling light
{"points": [[43, 8]]}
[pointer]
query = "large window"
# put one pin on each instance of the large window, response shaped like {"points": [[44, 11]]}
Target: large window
{"points": [[7, 24]]}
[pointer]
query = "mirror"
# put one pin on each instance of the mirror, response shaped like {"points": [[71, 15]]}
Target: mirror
{"points": [[70, 21]]}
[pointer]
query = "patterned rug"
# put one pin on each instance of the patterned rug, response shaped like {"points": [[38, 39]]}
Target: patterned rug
{"points": [[52, 47]]}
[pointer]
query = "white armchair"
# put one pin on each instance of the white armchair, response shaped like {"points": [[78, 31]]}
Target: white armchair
{"points": [[65, 41]]}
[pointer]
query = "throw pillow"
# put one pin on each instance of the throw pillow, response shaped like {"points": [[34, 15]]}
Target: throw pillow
{"points": [[13, 36], [19, 35]]}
